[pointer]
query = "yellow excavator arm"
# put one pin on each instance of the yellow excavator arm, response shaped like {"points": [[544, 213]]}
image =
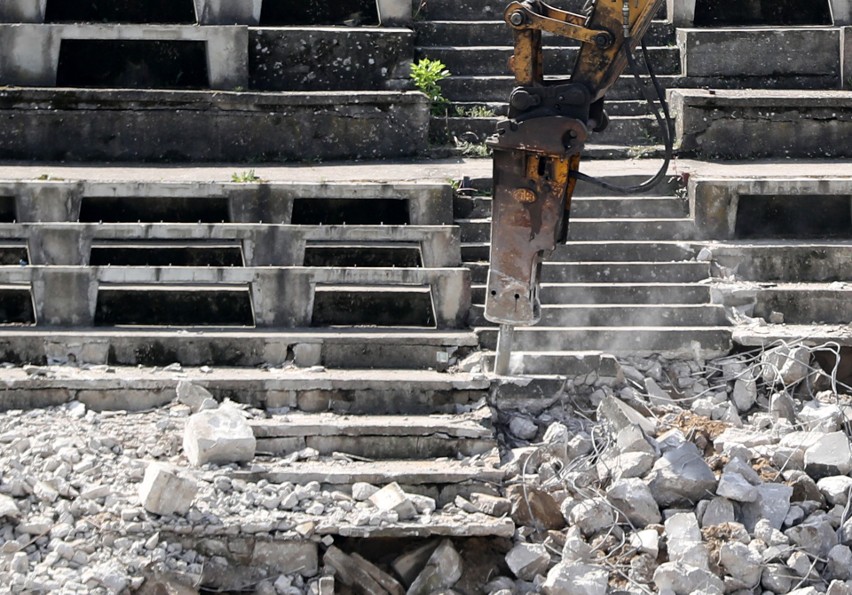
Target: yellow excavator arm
{"points": [[537, 149]]}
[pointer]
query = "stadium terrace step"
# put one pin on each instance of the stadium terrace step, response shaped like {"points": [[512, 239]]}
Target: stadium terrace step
{"points": [[259, 244], [805, 261], [672, 341], [616, 293], [376, 436], [225, 49], [69, 296], [204, 12], [602, 315], [591, 229], [404, 349], [313, 203], [575, 271]]}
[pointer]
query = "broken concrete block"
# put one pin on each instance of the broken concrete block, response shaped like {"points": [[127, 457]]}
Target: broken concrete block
{"points": [[620, 415], [718, 511], [829, 455], [362, 491], [734, 486], [491, 505], [8, 508], [656, 395], [821, 417], [681, 579], [684, 540], [195, 397], [528, 560], [523, 428], [772, 504], [835, 489], [782, 406], [443, 570], [745, 393], [393, 498], [408, 565], [577, 579], [592, 516], [839, 563], [786, 365], [634, 500], [164, 491], [742, 563], [814, 536], [681, 475], [218, 436], [533, 507], [356, 571]]}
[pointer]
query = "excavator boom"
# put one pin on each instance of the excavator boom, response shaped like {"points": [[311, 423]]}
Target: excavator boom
{"points": [[538, 147]]}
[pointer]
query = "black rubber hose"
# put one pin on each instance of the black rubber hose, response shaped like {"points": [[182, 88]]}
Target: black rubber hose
{"points": [[664, 121]]}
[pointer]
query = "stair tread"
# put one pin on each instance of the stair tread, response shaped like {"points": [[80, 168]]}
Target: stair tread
{"points": [[469, 425]]}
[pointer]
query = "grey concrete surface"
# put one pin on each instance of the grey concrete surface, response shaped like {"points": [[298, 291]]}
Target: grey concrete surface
{"points": [[210, 126], [228, 12], [22, 11], [281, 296], [846, 58], [759, 52], [681, 13], [841, 12], [714, 202], [29, 53], [759, 124]]}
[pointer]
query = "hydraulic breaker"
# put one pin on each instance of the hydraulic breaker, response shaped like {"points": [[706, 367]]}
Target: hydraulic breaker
{"points": [[537, 149]]}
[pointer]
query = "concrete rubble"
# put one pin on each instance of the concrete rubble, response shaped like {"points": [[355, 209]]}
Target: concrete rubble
{"points": [[620, 490]]}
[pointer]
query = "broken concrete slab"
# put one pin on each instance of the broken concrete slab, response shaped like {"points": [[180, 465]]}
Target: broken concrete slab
{"points": [[165, 491], [218, 436]]}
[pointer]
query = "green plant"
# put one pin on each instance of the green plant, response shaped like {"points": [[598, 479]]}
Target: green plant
{"points": [[476, 111], [245, 177], [427, 75], [469, 149]]}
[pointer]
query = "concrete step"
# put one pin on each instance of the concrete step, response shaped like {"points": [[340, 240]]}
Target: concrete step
{"points": [[250, 201], [622, 130], [801, 261], [806, 303], [484, 60], [589, 251], [377, 436], [610, 207], [611, 272], [498, 87], [671, 341], [479, 230], [210, 126], [116, 387], [771, 335], [477, 10], [616, 293], [433, 33], [76, 296], [255, 244], [405, 349], [624, 315]]}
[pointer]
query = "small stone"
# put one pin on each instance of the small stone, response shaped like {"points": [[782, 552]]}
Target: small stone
{"points": [[742, 563], [634, 500], [20, 563], [8, 508], [393, 498], [526, 560], [829, 455], [218, 436], [197, 398], [362, 491], [576, 579], [76, 409], [523, 428], [163, 491], [733, 486]]}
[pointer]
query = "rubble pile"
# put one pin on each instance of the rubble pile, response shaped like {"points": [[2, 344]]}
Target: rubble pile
{"points": [[731, 477], [728, 476]]}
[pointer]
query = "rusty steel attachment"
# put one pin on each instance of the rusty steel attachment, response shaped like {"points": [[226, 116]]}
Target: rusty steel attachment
{"points": [[538, 147]]}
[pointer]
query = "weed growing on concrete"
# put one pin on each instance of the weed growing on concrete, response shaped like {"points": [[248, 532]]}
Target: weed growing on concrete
{"points": [[476, 111], [245, 177], [469, 149], [427, 75]]}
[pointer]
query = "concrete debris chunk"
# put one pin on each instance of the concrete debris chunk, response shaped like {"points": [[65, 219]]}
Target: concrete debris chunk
{"points": [[577, 579], [592, 516], [745, 393], [408, 565], [681, 579], [164, 491], [719, 511], [491, 505], [392, 498], [772, 504], [620, 415], [8, 508], [534, 507], [685, 541], [633, 499], [835, 489], [656, 395], [815, 535], [196, 397], [782, 406], [354, 570], [362, 491], [218, 436], [829, 455], [734, 486], [443, 570], [821, 417], [527, 560], [839, 563], [786, 365], [742, 563], [523, 428], [681, 475]]}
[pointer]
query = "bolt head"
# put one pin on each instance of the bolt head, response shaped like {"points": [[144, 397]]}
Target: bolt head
{"points": [[517, 18]]}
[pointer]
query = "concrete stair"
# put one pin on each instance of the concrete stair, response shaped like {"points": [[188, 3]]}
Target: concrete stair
{"points": [[626, 282], [475, 44], [134, 84]]}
